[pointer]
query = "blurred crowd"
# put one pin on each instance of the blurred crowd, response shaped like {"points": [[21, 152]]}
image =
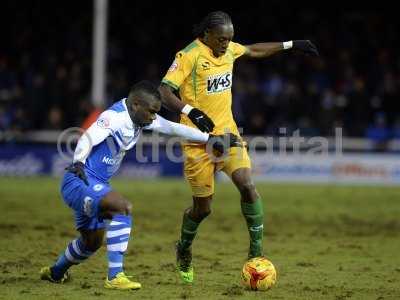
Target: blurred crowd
{"points": [[45, 66]]}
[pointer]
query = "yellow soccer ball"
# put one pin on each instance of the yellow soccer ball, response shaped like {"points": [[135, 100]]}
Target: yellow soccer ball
{"points": [[258, 274]]}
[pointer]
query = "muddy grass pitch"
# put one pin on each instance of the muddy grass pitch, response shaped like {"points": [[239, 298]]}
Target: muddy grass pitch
{"points": [[327, 242]]}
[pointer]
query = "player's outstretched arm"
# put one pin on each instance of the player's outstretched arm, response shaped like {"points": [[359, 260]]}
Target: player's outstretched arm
{"points": [[173, 103], [171, 128], [262, 50], [218, 142]]}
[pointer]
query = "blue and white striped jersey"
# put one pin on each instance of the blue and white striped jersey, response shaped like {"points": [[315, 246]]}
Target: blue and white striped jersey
{"points": [[102, 147]]}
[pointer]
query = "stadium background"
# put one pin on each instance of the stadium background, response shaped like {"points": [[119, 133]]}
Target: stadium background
{"points": [[46, 60], [328, 241], [45, 64]]}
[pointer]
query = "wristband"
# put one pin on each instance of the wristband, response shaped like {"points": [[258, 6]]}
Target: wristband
{"points": [[186, 109]]}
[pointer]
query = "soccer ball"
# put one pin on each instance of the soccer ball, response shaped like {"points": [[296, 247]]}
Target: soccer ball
{"points": [[258, 274]]}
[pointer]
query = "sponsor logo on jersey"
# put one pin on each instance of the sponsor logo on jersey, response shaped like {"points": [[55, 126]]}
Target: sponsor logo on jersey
{"points": [[205, 65], [219, 83], [103, 122], [87, 206], [110, 161], [174, 66], [114, 161]]}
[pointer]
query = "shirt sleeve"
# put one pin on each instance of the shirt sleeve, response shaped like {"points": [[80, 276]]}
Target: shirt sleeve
{"points": [[237, 49], [179, 70], [171, 128], [94, 135]]}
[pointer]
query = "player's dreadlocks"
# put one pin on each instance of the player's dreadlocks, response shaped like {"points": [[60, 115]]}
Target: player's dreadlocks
{"points": [[213, 19]]}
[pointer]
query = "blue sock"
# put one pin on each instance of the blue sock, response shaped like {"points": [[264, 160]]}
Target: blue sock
{"points": [[74, 254], [118, 232]]}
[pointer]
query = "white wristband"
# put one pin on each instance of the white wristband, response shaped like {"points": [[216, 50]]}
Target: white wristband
{"points": [[186, 109], [287, 45]]}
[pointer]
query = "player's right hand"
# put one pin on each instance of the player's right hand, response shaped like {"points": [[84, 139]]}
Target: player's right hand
{"points": [[221, 143], [306, 46], [201, 120], [78, 168]]}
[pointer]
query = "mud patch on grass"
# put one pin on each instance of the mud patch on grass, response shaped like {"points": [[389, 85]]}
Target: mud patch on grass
{"points": [[157, 248], [18, 264], [309, 289], [147, 274], [234, 290], [216, 265], [169, 267], [187, 294], [350, 246], [85, 286], [43, 228], [12, 279], [8, 230], [326, 251], [305, 264], [360, 227], [142, 266], [344, 295], [8, 227], [68, 234]]}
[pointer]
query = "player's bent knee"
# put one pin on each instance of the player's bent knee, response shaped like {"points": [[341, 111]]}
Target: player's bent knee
{"points": [[248, 191], [92, 243], [124, 207], [247, 187], [113, 204]]}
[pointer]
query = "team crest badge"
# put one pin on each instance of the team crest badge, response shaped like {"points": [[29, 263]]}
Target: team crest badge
{"points": [[97, 187], [173, 67], [103, 122]]}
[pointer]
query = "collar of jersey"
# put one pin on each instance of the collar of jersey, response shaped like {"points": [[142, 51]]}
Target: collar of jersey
{"points": [[217, 60], [129, 117], [208, 49]]}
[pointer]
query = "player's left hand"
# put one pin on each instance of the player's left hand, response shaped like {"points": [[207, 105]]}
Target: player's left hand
{"points": [[306, 47], [78, 168], [222, 142]]}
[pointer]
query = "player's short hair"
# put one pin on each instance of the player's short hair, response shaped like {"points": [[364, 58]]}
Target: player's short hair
{"points": [[212, 20], [144, 86]]}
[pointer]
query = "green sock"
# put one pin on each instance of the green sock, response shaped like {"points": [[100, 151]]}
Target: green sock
{"points": [[188, 231], [254, 215]]}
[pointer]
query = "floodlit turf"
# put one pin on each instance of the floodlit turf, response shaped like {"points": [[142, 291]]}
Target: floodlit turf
{"points": [[326, 242]]}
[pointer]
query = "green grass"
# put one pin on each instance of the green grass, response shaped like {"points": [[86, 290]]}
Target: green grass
{"points": [[327, 242]]}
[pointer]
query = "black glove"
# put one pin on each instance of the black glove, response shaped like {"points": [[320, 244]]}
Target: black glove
{"points": [[78, 168], [306, 47], [221, 143], [201, 120]]}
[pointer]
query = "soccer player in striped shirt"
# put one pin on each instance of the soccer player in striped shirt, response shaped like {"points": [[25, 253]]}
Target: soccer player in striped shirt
{"points": [[85, 187]]}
